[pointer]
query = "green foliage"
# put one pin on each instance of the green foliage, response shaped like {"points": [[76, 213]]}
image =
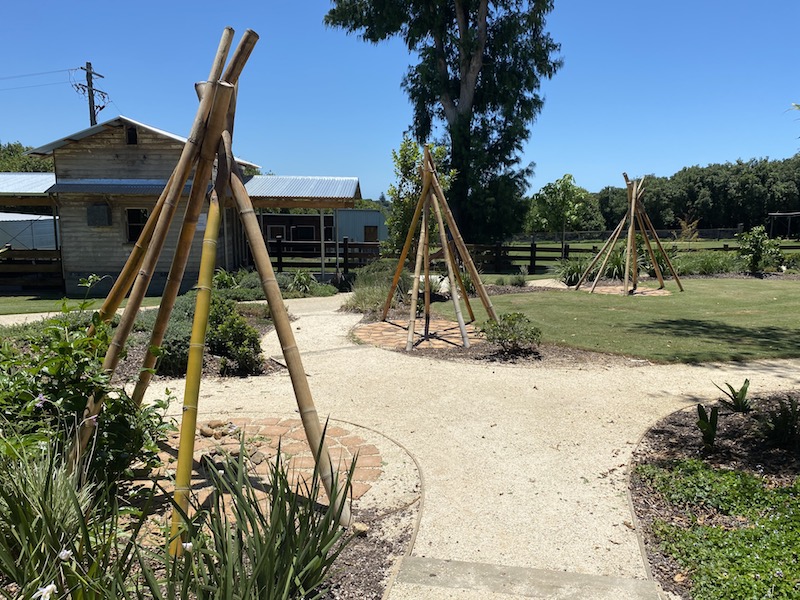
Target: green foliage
{"points": [[371, 287], [404, 193], [14, 160], [737, 399], [479, 79], [750, 560], [707, 262], [302, 282], [569, 271], [500, 281], [231, 337], [513, 332], [758, 250], [44, 387], [519, 278], [253, 540], [247, 546], [707, 424], [563, 206], [782, 426], [466, 280], [715, 196], [228, 336]]}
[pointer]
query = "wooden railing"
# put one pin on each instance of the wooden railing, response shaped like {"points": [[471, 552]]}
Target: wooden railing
{"points": [[491, 258], [31, 268], [345, 255]]}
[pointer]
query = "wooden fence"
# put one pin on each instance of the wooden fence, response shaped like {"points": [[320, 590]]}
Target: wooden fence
{"points": [[31, 268], [536, 257]]}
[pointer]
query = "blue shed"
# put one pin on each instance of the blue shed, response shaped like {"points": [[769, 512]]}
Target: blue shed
{"points": [[361, 225]]}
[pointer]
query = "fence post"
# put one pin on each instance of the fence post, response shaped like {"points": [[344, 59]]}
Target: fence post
{"points": [[532, 261], [497, 257], [346, 252], [279, 252], [566, 251]]}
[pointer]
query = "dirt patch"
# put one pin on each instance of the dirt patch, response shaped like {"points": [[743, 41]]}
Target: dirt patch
{"points": [[740, 446]]}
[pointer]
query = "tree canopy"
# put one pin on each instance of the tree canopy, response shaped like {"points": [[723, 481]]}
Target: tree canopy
{"points": [[718, 195], [479, 72], [563, 206], [14, 160]]}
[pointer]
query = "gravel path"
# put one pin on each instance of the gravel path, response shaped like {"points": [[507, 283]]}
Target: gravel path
{"points": [[521, 468]]}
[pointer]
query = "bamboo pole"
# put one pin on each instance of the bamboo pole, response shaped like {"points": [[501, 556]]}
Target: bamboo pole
{"points": [[427, 263], [459, 241], [462, 288], [450, 262], [240, 56], [649, 223], [194, 373], [613, 240], [128, 274], [208, 151], [412, 318], [649, 247], [426, 182], [126, 277], [305, 402], [631, 227], [182, 172], [614, 235]]}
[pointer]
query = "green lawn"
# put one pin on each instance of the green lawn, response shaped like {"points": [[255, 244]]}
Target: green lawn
{"points": [[16, 305], [713, 320]]}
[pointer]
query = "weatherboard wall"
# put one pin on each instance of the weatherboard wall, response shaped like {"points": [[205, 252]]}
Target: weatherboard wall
{"points": [[109, 155], [103, 249]]}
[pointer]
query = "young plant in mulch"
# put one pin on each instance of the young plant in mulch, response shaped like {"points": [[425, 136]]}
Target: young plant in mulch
{"points": [[514, 333], [719, 522]]}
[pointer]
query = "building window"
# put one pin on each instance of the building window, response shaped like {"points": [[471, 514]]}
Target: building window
{"points": [[135, 222], [370, 233], [131, 135], [273, 231], [304, 233]]}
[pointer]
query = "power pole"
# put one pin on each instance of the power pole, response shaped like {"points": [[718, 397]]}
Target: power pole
{"points": [[90, 91]]}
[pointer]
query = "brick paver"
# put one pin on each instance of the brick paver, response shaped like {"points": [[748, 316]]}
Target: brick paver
{"points": [[261, 440], [394, 334]]}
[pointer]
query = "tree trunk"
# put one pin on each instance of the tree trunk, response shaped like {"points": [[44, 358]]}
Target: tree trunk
{"points": [[458, 195]]}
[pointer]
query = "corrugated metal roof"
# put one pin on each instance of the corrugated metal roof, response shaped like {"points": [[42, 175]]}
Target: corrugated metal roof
{"points": [[121, 187], [115, 122], [289, 187], [258, 187], [26, 184]]}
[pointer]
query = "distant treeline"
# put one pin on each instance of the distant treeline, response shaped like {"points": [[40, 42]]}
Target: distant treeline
{"points": [[716, 196]]}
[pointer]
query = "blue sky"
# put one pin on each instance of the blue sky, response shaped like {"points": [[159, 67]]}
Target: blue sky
{"points": [[646, 87]]}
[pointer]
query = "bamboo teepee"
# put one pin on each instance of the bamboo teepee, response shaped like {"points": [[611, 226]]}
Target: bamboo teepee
{"points": [[432, 199], [210, 139], [635, 216]]}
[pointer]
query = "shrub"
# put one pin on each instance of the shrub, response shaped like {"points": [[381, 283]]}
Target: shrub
{"points": [[500, 281], [371, 287], [758, 250], [569, 271], [707, 262], [45, 388], [231, 337], [513, 332], [518, 279], [302, 282]]}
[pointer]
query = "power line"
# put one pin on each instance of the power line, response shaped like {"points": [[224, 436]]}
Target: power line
{"points": [[37, 74], [25, 87]]}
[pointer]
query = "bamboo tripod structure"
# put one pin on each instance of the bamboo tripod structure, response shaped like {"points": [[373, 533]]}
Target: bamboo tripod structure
{"points": [[210, 139], [635, 216], [432, 199]]}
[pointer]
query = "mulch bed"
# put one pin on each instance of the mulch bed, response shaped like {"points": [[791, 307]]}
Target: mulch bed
{"points": [[740, 446]]}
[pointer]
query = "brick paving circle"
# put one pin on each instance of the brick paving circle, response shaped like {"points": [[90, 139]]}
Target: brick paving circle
{"points": [[394, 334], [261, 439]]}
